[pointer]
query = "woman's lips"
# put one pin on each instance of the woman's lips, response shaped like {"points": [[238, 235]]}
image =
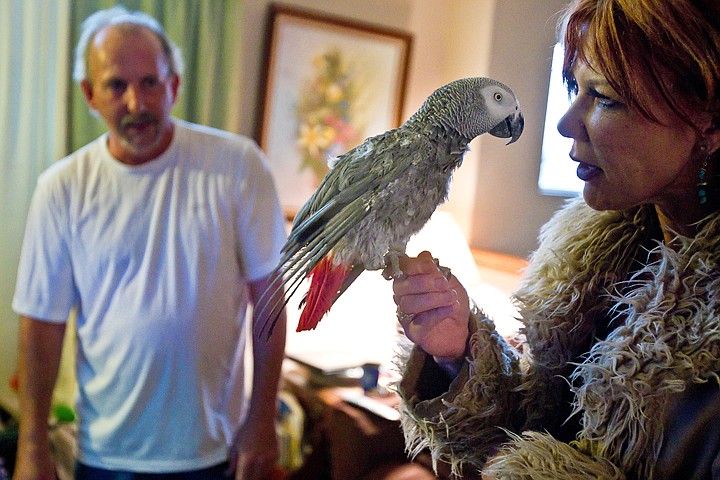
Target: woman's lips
{"points": [[587, 172]]}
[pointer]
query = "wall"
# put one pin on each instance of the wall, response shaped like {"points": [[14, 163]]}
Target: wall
{"points": [[454, 45], [494, 196], [508, 207], [391, 13]]}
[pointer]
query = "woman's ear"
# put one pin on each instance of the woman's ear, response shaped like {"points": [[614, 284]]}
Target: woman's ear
{"points": [[711, 133]]}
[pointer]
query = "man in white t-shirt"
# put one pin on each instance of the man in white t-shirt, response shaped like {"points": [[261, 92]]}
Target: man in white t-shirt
{"points": [[160, 234]]}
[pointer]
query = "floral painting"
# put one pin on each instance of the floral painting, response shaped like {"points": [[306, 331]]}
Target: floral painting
{"points": [[325, 112], [329, 84]]}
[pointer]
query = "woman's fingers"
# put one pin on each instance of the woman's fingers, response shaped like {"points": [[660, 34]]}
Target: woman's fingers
{"points": [[433, 307], [413, 304]]}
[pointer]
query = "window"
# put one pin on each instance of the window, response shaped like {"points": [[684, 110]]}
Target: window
{"points": [[557, 170]]}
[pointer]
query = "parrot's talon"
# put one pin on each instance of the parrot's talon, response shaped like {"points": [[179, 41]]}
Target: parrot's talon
{"points": [[392, 269], [388, 275], [444, 270]]}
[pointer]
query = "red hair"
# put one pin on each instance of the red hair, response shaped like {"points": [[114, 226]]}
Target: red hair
{"points": [[648, 49]]}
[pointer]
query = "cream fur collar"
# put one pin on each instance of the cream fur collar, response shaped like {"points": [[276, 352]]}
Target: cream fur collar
{"points": [[592, 267]]}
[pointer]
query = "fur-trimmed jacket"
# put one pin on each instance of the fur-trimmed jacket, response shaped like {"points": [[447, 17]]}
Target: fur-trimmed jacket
{"points": [[618, 373]]}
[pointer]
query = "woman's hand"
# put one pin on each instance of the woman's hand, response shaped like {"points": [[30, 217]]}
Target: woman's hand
{"points": [[434, 311]]}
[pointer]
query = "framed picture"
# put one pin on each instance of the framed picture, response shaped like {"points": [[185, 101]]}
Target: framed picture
{"points": [[328, 84]]}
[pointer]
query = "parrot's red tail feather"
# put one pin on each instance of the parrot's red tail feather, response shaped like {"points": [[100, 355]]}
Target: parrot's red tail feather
{"points": [[324, 287]]}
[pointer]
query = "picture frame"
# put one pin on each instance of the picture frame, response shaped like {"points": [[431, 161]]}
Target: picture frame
{"points": [[328, 83]]}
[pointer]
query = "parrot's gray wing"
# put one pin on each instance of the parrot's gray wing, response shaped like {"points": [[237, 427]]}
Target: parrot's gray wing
{"points": [[352, 174], [352, 183], [342, 200]]}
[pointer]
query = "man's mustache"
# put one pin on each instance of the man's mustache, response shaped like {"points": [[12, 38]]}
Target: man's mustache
{"points": [[134, 118]]}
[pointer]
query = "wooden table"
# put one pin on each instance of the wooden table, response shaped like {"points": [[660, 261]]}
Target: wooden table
{"points": [[347, 442]]}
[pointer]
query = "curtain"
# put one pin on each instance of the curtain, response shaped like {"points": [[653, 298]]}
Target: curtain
{"points": [[209, 35], [43, 116], [33, 86]]}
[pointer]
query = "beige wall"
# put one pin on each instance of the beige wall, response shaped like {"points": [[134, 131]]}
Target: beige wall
{"points": [[509, 210], [494, 196]]}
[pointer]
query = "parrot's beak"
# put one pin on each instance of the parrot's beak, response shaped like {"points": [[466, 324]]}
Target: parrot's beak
{"points": [[511, 127]]}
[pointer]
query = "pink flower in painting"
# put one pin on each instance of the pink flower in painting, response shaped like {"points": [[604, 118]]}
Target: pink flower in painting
{"points": [[325, 113]]}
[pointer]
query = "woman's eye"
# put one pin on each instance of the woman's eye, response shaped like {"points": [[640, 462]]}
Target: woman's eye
{"points": [[603, 100]]}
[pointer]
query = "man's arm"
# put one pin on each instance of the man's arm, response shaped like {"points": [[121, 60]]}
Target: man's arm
{"points": [[257, 442], [39, 361]]}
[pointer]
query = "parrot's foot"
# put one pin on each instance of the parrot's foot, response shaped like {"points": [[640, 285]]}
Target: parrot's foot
{"points": [[392, 265], [444, 270]]}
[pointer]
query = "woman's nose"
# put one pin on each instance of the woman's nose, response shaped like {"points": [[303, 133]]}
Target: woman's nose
{"points": [[571, 123]]}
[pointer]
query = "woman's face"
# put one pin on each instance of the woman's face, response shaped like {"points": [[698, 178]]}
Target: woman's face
{"points": [[624, 158]]}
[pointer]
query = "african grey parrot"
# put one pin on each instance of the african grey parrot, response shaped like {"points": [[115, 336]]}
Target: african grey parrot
{"points": [[380, 193]]}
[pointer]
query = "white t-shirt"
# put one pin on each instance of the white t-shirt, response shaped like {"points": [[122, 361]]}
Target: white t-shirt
{"points": [[155, 258]]}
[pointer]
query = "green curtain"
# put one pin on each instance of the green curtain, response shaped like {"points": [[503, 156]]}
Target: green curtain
{"points": [[33, 73], [209, 34]]}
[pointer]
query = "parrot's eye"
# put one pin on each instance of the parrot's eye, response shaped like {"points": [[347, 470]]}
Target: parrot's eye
{"points": [[498, 97]]}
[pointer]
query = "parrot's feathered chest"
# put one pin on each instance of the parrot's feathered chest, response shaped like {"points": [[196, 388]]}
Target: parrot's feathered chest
{"points": [[422, 168]]}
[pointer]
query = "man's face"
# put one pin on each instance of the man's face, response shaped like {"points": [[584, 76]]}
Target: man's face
{"points": [[132, 88]]}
